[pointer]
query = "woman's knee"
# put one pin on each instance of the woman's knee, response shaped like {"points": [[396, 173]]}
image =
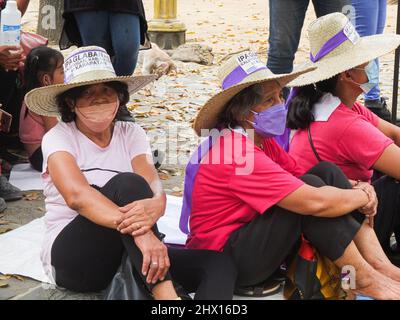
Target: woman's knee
{"points": [[127, 187], [313, 180]]}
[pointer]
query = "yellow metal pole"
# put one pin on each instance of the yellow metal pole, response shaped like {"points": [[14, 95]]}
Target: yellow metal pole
{"points": [[164, 28]]}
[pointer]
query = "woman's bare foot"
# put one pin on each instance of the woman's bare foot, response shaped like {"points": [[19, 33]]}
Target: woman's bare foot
{"points": [[377, 286], [388, 269]]}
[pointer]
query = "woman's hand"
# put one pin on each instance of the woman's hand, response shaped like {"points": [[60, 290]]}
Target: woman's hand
{"points": [[370, 209], [140, 216], [155, 257]]}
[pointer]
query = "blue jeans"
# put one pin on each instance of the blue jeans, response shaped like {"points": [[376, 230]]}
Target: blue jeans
{"points": [[286, 22], [118, 33], [370, 20]]}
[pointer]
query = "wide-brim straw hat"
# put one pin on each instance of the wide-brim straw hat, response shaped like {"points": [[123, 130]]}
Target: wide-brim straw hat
{"points": [[239, 72], [84, 66], [354, 51]]}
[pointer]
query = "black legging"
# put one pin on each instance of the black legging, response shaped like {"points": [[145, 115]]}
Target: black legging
{"points": [[86, 256], [36, 159], [387, 219], [263, 244]]}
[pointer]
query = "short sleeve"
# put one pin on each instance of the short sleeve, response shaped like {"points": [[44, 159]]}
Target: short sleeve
{"points": [[362, 143], [366, 113], [274, 151], [266, 185], [57, 139], [137, 140]]}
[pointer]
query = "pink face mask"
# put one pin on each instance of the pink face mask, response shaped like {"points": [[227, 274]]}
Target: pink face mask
{"points": [[98, 117]]}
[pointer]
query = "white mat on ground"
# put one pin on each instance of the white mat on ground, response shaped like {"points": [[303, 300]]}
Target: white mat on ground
{"points": [[24, 177], [20, 248]]}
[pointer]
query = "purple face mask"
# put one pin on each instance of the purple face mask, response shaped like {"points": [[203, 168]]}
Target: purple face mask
{"points": [[271, 122]]}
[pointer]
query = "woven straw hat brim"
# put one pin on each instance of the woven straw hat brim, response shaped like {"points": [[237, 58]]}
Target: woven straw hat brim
{"points": [[207, 117], [43, 100], [367, 49]]}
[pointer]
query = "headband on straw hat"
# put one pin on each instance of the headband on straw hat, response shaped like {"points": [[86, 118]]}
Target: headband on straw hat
{"points": [[84, 66], [336, 47], [237, 73]]}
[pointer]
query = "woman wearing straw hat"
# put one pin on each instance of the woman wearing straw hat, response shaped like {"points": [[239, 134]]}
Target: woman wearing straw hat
{"points": [[103, 194], [334, 127], [247, 201]]}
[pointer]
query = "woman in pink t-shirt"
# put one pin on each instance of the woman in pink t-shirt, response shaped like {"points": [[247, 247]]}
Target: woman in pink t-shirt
{"points": [[103, 194], [333, 127], [242, 196], [43, 67]]}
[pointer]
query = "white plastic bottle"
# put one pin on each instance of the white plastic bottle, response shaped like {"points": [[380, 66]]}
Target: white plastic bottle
{"points": [[10, 24]]}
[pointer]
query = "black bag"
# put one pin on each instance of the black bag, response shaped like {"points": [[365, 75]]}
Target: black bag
{"points": [[127, 284]]}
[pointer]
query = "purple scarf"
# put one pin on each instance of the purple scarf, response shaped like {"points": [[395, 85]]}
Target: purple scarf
{"points": [[191, 171]]}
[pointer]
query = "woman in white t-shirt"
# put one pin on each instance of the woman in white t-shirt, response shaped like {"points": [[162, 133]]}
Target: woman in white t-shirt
{"points": [[103, 194]]}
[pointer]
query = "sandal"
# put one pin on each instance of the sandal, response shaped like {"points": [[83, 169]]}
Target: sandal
{"points": [[268, 288]]}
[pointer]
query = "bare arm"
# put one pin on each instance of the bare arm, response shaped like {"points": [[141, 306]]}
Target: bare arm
{"points": [[140, 216], [22, 5], [143, 166], [388, 162], [325, 201], [390, 130], [77, 192]]}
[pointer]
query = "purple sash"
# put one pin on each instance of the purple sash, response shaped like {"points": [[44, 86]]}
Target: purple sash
{"points": [[191, 171], [284, 139]]}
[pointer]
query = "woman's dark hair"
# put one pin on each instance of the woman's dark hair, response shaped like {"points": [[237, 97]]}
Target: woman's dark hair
{"points": [[240, 105], [65, 99], [41, 60], [299, 111]]}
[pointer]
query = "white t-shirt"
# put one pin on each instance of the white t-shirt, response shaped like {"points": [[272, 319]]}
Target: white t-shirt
{"points": [[97, 164]]}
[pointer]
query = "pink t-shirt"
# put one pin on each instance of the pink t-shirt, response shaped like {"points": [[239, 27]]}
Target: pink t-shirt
{"points": [[231, 192], [31, 127], [97, 164], [347, 137]]}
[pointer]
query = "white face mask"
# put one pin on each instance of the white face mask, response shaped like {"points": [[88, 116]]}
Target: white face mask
{"points": [[98, 117], [372, 72]]}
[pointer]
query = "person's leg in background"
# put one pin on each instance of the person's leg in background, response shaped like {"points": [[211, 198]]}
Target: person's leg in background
{"points": [[370, 20], [125, 39], [94, 28], [323, 7], [286, 21]]}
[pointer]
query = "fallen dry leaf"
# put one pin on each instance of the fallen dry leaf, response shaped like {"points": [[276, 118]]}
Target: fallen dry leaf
{"points": [[5, 230], [31, 196], [3, 284], [163, 176], [5, 276], [18, 277]]}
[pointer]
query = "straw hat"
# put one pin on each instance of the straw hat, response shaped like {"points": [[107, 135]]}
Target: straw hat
{"points": [[84, 66], [329, 31], [239, 72]]}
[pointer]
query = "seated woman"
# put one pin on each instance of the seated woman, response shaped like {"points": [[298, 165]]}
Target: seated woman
{"points": [[248, 203], [43, 67], [333, 127], [103, 194]]}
